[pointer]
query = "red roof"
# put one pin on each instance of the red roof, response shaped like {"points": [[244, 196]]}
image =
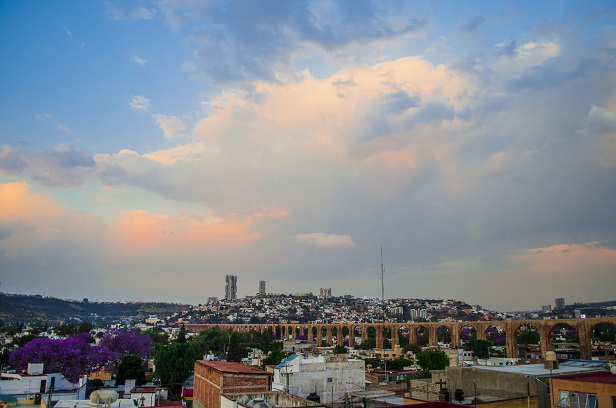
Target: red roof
{"points": [[144, 389], [602, 377], [233, 368]]}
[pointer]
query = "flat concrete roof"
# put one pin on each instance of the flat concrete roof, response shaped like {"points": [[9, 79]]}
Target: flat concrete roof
{"points": [[537, 370]]}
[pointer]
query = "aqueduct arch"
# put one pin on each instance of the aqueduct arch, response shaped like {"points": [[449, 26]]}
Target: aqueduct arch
{"points": [[509, 328]]}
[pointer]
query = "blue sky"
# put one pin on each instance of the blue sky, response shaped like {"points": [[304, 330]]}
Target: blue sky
{"points": [[150, 148]]}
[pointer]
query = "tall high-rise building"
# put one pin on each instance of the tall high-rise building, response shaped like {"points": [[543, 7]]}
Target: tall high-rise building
{"points": [[261, 287], [560, 303], [325, 292], [230, 287]]}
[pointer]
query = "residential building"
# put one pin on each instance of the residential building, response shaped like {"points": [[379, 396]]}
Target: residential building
{"points": [[261, 287], [213, 379], [34, 385], [590, 390], [230, 287], [487, 382], [560, 303], [325, 292], [330, 377]]}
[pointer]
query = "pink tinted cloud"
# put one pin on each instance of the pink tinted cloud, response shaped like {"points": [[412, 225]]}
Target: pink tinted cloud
{"points": [[579, 261], [140, 232], [19, 201]]}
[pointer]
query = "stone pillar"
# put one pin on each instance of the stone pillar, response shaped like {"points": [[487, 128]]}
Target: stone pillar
{"points": [[455, 335], [413, 334], [511, 343], [351, 336], [584, 340], [433, 340], [364, 333], [328, 336], [544, 338], [379, 336], [395, 336]]}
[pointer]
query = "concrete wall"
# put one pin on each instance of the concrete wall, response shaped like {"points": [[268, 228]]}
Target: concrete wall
{"points": [[490, 382], [272, 398], [311, 376]]}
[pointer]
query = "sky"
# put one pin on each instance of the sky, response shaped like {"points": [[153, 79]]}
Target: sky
{"points": [[149, 148]]}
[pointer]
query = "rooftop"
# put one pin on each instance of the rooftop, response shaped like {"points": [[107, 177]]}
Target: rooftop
{"points": [[601, 377], [232, 368], [538, 370]]}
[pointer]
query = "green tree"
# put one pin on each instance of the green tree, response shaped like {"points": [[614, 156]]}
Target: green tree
{"points": [[480, 348], [65, 330], [430, 360], [399, 363], [273, 358], [340, 349], [84, 327], [236, 351], [175, 362], [158, 336], [131, 367], [182, 335], [413, 347]]}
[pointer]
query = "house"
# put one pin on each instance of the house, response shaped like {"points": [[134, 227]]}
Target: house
{"points": [[329, 377], [590, 390], [34, 385], [213, 379]]}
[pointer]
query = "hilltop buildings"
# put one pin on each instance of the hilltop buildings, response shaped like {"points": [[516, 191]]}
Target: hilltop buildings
{"points": [[230, 287]]}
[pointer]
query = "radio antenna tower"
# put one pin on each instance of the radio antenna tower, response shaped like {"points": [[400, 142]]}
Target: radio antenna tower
{"points": [[382, 280]]}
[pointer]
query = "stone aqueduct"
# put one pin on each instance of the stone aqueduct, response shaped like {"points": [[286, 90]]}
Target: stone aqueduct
{"points": [[584, 329]]}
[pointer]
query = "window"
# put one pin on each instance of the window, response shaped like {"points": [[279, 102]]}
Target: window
{"points": [[574, 399]]}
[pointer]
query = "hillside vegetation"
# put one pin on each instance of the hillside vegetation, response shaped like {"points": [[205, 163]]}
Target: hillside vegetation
{"points": [[39, 309]]}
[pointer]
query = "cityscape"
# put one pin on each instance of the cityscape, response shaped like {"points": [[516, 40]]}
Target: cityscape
{"points": [[308, 203], [310, 349]]}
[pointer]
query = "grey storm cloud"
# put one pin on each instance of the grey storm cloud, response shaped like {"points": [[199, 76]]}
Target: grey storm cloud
{"points": [[473, 25], [265, 39], [63, 165], [552, 75]]}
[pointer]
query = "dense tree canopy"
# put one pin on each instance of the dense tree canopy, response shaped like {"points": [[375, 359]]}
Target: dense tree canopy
{"points": [[175, 362], [126, 342], [130, 367], [480, 348], [430, 360], [236, 351], [73, 356]]}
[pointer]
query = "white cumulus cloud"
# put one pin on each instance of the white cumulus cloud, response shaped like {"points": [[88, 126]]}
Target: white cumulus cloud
{"points": [[137, 59], [322, 239], [139, 103]]}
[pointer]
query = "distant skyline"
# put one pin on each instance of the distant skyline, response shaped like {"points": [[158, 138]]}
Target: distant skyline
{"points": [[150, 148]]}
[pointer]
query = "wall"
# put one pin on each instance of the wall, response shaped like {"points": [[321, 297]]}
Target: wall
{"points": [[604, 391], [272, 398], [311, 375]]}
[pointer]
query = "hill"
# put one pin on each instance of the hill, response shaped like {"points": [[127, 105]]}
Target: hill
{"points": [[40, 309]]}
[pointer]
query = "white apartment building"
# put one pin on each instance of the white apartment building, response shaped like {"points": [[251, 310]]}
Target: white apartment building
{"points": [[330, 377]]}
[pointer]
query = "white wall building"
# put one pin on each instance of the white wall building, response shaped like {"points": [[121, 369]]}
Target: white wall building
{"points": [[331, 377], [34, 385]]}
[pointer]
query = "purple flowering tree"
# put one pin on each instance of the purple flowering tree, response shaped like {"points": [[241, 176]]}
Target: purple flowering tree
{"points": [[72, 357], [126, 342]]}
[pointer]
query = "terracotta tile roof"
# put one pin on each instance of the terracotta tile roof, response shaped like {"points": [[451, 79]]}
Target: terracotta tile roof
{"points": [[233, 368]]}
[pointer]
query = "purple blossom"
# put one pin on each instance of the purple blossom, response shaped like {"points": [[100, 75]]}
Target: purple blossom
{"points": [[72, 357], [125, 342]]}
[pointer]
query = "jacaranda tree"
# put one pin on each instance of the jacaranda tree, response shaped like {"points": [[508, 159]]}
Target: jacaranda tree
{"points": [[126, 342], [72, 357]]}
